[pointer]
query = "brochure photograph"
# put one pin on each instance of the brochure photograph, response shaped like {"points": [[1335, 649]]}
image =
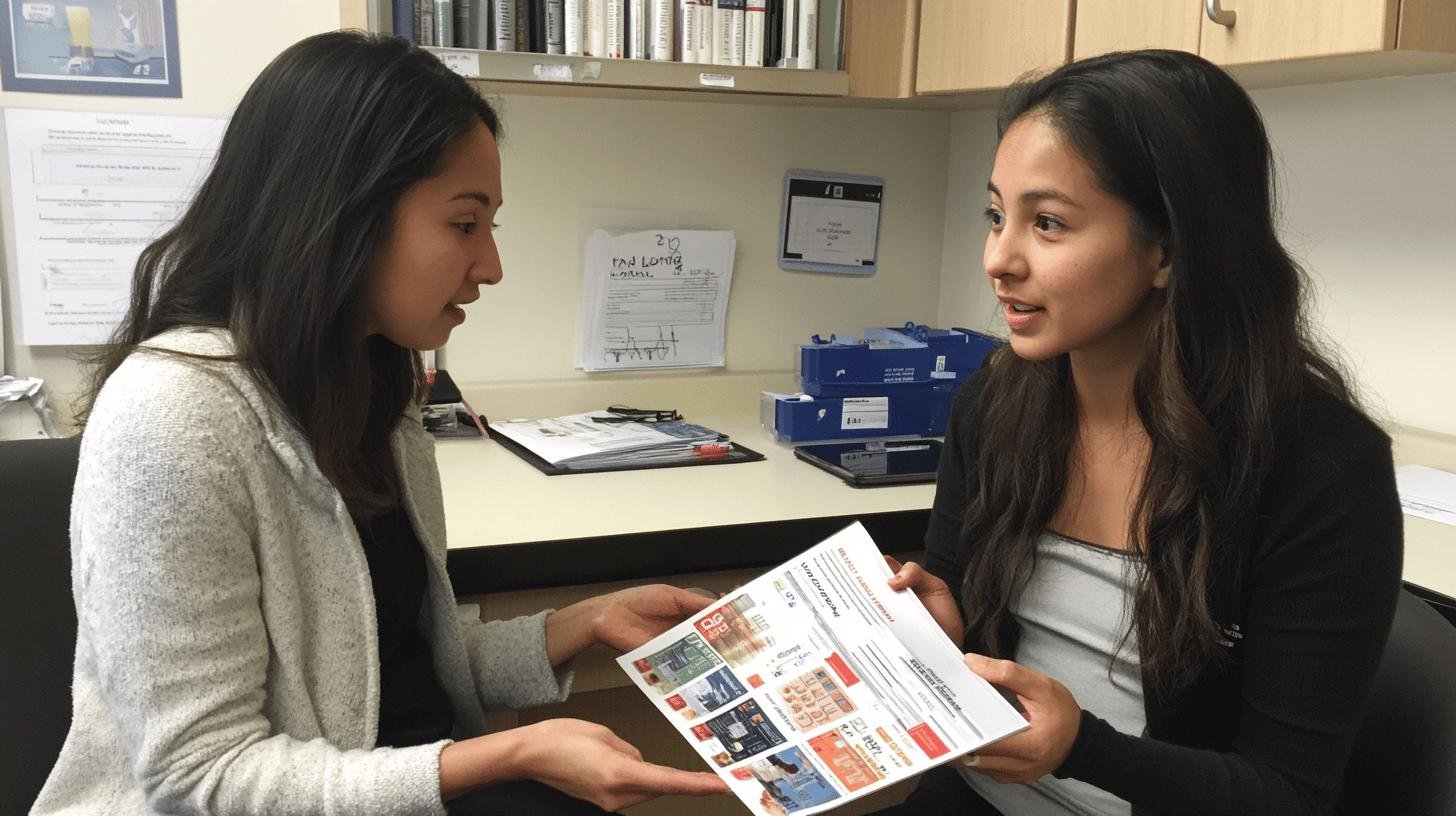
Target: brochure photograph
{"points": [[816, 684]]}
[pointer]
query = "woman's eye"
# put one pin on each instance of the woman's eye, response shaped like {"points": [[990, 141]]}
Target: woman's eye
{"points": [[1046, 223], [466, 227], [993, 217]]}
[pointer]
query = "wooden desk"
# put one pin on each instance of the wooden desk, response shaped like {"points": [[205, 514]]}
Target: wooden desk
{"points": [[512, 527]]}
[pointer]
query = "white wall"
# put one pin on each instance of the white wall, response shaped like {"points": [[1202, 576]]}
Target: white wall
{"points": [[1367, 171], [722, 165]]}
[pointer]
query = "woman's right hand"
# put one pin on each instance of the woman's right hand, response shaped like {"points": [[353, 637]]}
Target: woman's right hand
{"points": [[934, 593], [578, 758]]}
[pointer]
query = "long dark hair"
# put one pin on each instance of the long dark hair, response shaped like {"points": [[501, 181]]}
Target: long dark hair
{"points": [[277, 242], [1227, 358]]}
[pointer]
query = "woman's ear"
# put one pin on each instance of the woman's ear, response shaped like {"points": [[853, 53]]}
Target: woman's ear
{"points": [[1165, 267]]}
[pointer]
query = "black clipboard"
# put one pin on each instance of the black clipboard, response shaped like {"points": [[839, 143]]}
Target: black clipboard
{"points": [[734, 456], [874, 464]]}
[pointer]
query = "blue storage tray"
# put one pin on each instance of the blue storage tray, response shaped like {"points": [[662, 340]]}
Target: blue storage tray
{"points": [[890, 361], [921, 412]]}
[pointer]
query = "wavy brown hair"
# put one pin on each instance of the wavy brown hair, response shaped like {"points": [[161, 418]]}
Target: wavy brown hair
{"points": [[1227, 359], [279, 238]]}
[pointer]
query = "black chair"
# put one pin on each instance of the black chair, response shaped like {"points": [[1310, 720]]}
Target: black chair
{"points": [[37, 617], [1404, 761]]}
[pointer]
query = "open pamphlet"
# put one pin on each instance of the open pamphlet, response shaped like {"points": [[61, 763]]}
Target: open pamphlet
{"points": [[816, 684], [582, 441]]}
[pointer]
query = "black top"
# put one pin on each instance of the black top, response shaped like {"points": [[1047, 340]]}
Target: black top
{"points": [[413, 709], [1313, 596]]}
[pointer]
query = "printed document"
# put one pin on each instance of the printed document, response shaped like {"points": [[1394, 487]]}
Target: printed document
{"points": [[88, 191], [816, 684], [1427, 493], [655, 299]]}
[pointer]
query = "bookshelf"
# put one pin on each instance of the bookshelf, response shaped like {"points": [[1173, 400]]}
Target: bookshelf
{"points": [[561, 75], [584, 76]]}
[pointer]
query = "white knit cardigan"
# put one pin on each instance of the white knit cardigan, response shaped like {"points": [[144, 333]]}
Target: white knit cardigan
{"points": [[227, 656]]}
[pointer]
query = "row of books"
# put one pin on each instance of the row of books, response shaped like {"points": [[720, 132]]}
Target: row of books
{"points": [[775, 33]]}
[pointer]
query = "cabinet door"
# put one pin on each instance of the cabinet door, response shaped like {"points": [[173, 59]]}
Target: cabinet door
{"points": [[879, 47], [969, 45], [1266, 30], [1124, 25]]}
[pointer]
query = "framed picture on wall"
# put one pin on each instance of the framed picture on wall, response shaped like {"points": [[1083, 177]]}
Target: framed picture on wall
{"points": [[107, 47]]}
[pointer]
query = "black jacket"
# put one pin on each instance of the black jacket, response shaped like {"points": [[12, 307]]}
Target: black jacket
{"points": [[1309, 606]]}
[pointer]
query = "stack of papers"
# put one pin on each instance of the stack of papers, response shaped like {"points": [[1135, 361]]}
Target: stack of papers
{"points": [[578, 441]]}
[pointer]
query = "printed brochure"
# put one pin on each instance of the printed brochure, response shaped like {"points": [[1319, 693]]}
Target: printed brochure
{"points": [[815, 684]]}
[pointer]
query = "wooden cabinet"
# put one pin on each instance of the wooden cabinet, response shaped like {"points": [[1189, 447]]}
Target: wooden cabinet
{"points": [[880, 46], [970, 45], [1124, 25], [961, 52], [1269, 30]]}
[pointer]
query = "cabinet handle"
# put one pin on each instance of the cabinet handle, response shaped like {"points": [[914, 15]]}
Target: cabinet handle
{"points": [[1219, 15]]}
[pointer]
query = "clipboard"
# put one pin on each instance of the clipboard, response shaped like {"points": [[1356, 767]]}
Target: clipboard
{"points": [[873, 464], [734, 456]]}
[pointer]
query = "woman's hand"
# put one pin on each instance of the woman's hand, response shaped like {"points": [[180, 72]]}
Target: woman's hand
{"points": [[1054, 715], [623, 620], [578, 758], [934, 593]]}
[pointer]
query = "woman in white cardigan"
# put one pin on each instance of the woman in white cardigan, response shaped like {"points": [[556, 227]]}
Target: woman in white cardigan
{"points": [[258, 539]]}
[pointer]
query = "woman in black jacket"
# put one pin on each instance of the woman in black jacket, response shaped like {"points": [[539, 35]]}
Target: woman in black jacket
{"points": [[1161, 520]]}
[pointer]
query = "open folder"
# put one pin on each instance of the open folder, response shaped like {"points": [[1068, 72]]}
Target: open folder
{"points": [[595, 442]]}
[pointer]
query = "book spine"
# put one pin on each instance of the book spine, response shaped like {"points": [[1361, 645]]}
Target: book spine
{"points": [[687, 31], [536, 24], [789, 56], [573, 22], [660, 28], [484, 30], [404, 19], [425, 22], [722, 32], [555, 27], [445, 23], [616, 28], [596, 29], [737, 25], [636, 47], [465, 23], [754, 13], [523, 25], [704, 11], [808, 32], [503, 19]]}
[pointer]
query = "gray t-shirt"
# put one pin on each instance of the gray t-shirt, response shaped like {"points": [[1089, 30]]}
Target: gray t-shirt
{"points": [[1074, 614]]}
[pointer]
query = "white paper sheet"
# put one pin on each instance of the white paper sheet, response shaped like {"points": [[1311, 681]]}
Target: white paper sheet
{"points": [[655, 299], [816, 684], [88, 191], [1427, 493]]}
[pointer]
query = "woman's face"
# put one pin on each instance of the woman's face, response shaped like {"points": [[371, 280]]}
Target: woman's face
{"points": [[440, 248], [1063, 256]]}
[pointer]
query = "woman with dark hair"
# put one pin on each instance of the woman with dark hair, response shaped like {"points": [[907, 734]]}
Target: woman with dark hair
{"points": [[1161, 520], [258, 539]]}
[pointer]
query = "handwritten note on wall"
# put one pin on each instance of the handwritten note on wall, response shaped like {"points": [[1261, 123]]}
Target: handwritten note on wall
{"points": [[655, 299]]}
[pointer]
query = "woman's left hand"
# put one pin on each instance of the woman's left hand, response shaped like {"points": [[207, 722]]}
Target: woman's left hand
{"points": [[1053, 713], [623, 620]]}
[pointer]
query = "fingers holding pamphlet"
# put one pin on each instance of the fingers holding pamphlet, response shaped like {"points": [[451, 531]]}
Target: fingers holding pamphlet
{"points": [[816, 683]]}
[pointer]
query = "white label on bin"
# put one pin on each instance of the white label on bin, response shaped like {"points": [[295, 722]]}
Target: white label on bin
{"points": [[865, 414]]}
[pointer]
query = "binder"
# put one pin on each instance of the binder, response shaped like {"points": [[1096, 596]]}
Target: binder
{"points": [[755, 13], [573, 26]]}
